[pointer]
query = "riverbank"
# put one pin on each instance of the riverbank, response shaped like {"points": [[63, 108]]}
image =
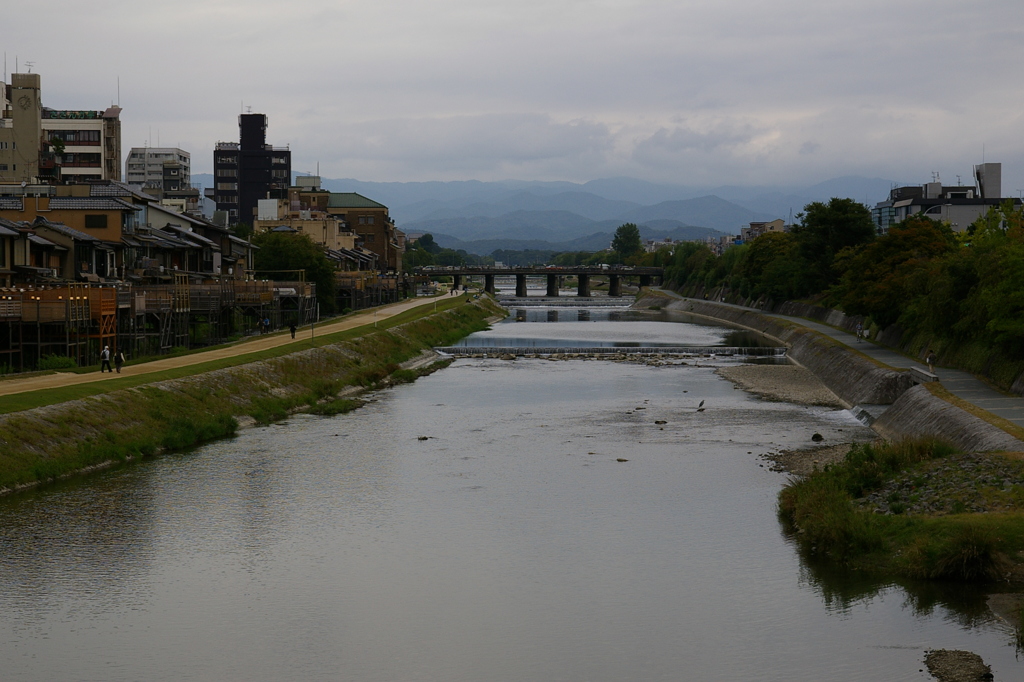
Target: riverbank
{"points": [[914, 506], [53, 441]]}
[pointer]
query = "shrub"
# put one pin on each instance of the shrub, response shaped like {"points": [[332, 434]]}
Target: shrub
{"points": [[339, 406], [57, 362], [971, 554]]}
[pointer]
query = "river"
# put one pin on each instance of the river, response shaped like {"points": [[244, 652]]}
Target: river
{"points": [[497, 520]]}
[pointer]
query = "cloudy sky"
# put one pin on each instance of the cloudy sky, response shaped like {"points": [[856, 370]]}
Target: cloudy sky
{"points": [[698, 92]]}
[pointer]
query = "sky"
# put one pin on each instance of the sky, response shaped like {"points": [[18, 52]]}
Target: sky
{"points": [[690, 92]]}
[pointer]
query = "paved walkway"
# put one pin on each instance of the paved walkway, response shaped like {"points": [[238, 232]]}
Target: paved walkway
{"points": [[252, 345], [962, 384]]}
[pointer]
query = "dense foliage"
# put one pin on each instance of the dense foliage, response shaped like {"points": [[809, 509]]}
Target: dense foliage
{"points": [[425, 251], [962, 294], [627, 240], [282, 255]]}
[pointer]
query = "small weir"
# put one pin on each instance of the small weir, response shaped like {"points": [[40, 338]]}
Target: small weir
{"points": [[567, 302], [706, 351]]}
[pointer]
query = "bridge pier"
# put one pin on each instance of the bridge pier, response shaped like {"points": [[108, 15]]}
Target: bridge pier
{"points": [[552, 285], [583, 289], [614, 285], [489, 285], [456, 281], [521, 286]]}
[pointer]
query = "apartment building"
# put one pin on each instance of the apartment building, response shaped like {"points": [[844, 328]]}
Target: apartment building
{"points": [[40, 144], [958, 205], [168, 168], [249, 170], [165, 174]]}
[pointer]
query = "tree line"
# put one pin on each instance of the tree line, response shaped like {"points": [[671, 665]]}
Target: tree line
{"points": [[959, 293]]}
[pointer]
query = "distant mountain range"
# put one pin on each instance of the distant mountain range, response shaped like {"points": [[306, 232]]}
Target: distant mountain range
{"points": [[482, 216]]}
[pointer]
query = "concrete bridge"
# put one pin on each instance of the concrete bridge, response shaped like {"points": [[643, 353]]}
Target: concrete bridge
{"points": [[583, 273]]}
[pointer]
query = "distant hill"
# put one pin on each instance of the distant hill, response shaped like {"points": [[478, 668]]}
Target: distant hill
{"points": [[590, 242], [561, 212], [707, 211], [580, 203]]}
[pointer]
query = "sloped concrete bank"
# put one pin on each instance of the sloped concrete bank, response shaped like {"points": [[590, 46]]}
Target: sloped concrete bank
{"points": [[917, 413], [856, 379], [58, 440]]}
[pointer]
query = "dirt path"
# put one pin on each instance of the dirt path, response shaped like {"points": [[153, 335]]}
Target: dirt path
{"points": [[257, 343]]}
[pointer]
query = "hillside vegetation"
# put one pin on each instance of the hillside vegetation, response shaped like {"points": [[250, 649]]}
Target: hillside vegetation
{"points": [[960, 294]]}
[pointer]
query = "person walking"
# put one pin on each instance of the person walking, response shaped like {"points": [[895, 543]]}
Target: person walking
{"points": [[291, 328], [930, 359], [860, 331], [105, 360], [118, 360]]}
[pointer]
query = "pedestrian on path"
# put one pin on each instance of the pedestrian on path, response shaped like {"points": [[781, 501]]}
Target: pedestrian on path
{"points": [[860, 331], [291, 328], [105, 360], [118, 361], [930, 359]]}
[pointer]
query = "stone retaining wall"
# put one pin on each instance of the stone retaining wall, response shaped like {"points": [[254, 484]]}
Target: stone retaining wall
{"points": [[917, 413], [856, 379]]}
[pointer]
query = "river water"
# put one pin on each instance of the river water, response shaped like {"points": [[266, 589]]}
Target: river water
{"points": [[511, 544]]}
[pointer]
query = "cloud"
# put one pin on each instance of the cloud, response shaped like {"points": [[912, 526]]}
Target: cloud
{"points": [[694, 91]]}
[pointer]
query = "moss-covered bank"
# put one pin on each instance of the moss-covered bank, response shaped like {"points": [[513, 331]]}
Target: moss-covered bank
{"points": [[48, 442]]}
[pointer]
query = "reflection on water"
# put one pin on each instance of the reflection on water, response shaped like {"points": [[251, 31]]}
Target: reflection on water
{"points": [[561, 520], [603, 327]]}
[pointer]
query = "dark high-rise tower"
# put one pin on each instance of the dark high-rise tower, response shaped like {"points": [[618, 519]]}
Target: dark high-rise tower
{"points": [[249, 170]]}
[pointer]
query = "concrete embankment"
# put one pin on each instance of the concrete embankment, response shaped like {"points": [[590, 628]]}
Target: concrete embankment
{"points": [[53, 441], [856, 379]]}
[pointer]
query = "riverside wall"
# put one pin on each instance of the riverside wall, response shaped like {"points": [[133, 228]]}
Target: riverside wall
{"points": [[856, 379]]}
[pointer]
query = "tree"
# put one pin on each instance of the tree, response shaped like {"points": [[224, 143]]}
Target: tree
{"points": [[824, 231], [427, 243], [772, 267], [627, 240], [415, 257], [886, 277], [281, 254]]}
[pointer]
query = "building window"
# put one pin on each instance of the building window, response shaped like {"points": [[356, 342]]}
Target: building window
{"points": [[227, 172], [3, 166], [95, 220], [227, 185], [368, 238], [369, 220]]}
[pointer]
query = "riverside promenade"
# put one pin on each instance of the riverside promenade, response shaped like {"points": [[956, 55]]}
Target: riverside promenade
{"points": [[963, 385], [364, 318]]}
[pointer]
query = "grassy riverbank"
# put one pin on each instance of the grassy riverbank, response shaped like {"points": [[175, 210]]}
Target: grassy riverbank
{"points": [[916, 509], [75, 428]]}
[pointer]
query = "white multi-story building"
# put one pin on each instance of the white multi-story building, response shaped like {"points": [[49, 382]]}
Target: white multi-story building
{"points": [[39, 144], [161, 167]]}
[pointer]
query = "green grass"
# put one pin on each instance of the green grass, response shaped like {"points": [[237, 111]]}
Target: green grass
{"points": [[32, 399], [337, 406], [820, 513], [133, 419]]}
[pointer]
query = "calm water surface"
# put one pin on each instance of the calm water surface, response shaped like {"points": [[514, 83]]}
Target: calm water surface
{"points": [[510, 545]]}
